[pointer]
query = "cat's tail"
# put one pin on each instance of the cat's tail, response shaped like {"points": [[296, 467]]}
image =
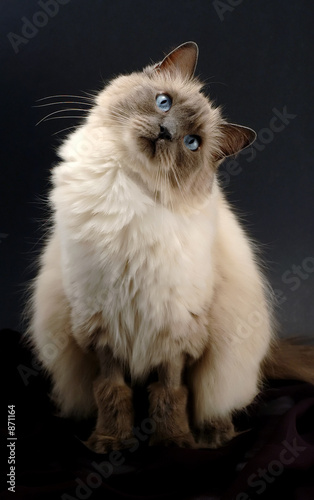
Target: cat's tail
{"points": [[290, 359]]}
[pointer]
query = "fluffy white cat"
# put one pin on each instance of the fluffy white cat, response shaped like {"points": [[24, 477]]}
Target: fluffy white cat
{"points": [[147, 267]]}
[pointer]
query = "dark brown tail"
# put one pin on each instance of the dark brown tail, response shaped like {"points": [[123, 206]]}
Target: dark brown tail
{"points": [[289, 359]]}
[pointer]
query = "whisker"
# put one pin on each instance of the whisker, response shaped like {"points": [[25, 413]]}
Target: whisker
{"points": [[65, 129], [169, 190], [161, 195], [178, 184], [57, 118], [117, 113], [117, 108], [165, 191], [157, 180], [61, 102], [92, 96], [57, 112], [121, 122], [120, 117], [57, 96]]}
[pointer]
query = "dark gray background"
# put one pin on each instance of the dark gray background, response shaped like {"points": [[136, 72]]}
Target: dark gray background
{"points": [[256, 58]]}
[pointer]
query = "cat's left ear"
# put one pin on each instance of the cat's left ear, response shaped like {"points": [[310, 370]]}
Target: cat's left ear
{"points": [[183, 59], [234, 139]]}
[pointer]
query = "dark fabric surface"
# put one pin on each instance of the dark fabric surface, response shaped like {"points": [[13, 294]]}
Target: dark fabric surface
{"points": [[274, 459]]}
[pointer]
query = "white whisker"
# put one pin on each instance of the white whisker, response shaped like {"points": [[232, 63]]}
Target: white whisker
{"points": [[156, 187], [57, 96], [169, 190], [62, 102], [118, 113], [65, 129], [57, 118], [120, 118], [91, 96], [47, 117], [178, 184]]}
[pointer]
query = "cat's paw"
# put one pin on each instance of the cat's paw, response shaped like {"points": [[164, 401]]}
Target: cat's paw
{"points": [[99, 443], [168, 409], [181, 441], [216, 433]]}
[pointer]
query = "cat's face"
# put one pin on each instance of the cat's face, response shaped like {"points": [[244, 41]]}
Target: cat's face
{"points": [[167, 130]]}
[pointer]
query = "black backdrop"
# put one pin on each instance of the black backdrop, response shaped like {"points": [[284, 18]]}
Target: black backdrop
{"points": [[256, 58]]}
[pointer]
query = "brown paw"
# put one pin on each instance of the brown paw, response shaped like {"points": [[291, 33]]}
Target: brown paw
{"points": [[216, 433], [181, 441], [168, 409], [114, 426], [99, 443]]}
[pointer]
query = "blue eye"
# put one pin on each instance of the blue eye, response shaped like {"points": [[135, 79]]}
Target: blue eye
{"points": [[164, 102], [192, 142]]}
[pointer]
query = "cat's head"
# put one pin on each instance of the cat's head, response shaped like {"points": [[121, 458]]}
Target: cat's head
{"points": [[165, 130]]}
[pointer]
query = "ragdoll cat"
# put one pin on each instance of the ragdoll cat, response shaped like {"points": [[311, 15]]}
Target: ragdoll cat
{"points": [[147, 268]]}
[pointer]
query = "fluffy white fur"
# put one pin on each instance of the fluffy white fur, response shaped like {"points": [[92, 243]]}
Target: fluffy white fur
{"points": [[122, 269]]}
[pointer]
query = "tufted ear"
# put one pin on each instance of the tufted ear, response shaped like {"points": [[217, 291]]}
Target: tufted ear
{"points": [[234, 139], [183, 59]]}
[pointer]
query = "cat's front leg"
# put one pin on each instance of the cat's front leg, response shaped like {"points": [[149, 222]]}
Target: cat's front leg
{"points": [[224, 380], [215, 432], [115, 406], [168, 400]]}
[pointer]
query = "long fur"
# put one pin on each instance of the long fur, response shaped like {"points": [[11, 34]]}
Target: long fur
{"points": [[290, 359], [146, 256]]}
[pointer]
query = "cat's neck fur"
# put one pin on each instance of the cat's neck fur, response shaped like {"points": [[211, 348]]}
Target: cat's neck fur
{"points": [[98, 155], [105, 217]]}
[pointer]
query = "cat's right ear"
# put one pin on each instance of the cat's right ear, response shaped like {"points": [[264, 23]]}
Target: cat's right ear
{"points": [[234, 138], [183, 59]]}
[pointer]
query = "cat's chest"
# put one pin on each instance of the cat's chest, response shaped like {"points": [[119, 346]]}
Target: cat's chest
{"points": [[157, 259], [166, 263], [123, 251], [149, 280]]}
